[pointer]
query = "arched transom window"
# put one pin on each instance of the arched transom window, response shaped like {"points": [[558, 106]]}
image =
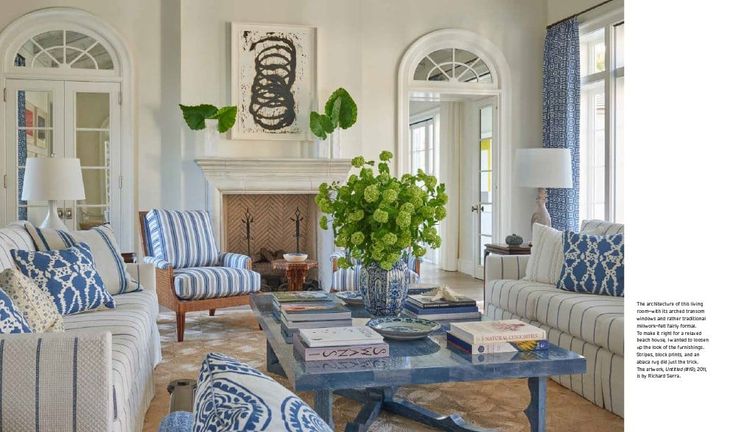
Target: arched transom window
{"points": [[453, 65], [64, 49]]}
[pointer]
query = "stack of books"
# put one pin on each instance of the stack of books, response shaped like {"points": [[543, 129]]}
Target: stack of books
{"points": [[339, 343], [422, 306], [488, 337], [308, 309]]}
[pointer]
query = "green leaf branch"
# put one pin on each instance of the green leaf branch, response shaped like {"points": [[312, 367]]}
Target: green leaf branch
{"points": [[195, 115], [340, 111]]}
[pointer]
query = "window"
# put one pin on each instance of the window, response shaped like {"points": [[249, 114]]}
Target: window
{"points": [[423, 146], [452, 64], [64, 49], [601, 122]]}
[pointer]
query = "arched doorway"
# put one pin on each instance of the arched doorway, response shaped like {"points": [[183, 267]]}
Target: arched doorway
{"points": [[66, 79], [456, 83]]}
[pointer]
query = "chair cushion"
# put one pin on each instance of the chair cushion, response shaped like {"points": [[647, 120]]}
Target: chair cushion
{"points": [[13, 236], [34, 302], [11, 319], [349, 279], [233, 396], [547, 255], [183, 238], [198, 283], [69, 275], [105, 250], [593, 264]]}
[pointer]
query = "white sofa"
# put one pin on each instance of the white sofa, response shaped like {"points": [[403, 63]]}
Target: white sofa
{"points": [[96, 376], [589, 324]]}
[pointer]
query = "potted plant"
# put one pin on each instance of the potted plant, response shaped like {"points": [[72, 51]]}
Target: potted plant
{"points": [[378, 219], [216, 121], [340, 112]]}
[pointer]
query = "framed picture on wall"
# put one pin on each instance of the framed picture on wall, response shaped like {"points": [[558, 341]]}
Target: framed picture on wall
{"points": [[273, 73], [41, 122], [29, 118]]}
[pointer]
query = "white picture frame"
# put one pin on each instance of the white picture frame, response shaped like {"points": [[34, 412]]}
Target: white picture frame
{"points": [[268, 108]]}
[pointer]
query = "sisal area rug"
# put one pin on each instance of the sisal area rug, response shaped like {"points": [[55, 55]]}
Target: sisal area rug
{"points": [[490, 404]]}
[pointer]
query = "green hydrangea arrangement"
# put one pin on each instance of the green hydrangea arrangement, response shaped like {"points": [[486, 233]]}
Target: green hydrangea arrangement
{"points": [[376, 218]]}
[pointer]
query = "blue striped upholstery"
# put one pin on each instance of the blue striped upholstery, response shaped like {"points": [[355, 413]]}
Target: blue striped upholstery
{"points": [[197, 283], [234, 260], [158, 263], [183, 238]]}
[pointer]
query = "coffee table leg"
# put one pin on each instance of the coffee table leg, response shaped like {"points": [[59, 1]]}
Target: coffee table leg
{"points": [[451, 423], [272, 364], [536, 411], [323, 406]]}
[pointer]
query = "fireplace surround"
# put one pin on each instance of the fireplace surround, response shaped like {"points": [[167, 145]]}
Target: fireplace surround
{"points": [[280, 184]]}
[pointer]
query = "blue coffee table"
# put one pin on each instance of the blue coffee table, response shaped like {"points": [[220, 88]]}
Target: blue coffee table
{"points": [[373, 382]]}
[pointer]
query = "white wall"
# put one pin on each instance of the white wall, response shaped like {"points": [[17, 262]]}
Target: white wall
{"points": [[560, 9]]}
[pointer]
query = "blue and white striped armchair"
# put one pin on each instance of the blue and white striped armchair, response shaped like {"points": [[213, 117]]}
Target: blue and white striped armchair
{"points": [[349, 279], [191, 273]]}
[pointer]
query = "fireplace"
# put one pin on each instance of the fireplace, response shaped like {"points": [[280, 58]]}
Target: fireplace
{"points": [[263, 226], [271, 188]]}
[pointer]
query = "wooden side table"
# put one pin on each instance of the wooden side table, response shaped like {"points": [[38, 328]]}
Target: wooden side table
{"points": [[295, 272], [497, 249]]}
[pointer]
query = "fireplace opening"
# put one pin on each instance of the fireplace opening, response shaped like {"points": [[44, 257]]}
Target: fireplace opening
{"points": [[266, 226]]}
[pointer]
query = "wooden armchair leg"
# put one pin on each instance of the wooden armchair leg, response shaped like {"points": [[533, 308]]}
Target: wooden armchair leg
{"points": [[211, 312], [180, 324]]}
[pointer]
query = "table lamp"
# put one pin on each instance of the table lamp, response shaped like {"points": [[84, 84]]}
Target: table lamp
{"points": [[543, 168], [53, 179]]}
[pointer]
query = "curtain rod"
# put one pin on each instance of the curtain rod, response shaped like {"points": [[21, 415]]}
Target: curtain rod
{"points": [[579, 13]]}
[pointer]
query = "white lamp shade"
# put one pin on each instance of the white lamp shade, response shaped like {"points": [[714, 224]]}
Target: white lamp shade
{"points": [[53, 179], [544, 168]]}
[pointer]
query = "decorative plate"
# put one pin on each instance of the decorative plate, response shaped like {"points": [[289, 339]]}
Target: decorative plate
{"points": [[403, 328], [350, 297]]}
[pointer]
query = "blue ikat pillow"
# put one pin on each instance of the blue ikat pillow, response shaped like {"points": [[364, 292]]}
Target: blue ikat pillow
{"points": [[69, 275], [233, 396], [11, 319], [593, 264]]}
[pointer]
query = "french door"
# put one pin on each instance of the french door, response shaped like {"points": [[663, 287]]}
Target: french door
{"points": [[483, 124], [65, 119]]}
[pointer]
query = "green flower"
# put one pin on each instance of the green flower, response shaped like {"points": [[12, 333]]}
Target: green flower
{"points": [[419, 251], [366, 173], [343, 262], [323, 223], [341, 240], [358, 161], [403, 220], [430, 182], [387, 264], [440, 213], [377, 255], [389, 195], [426, 211], [390, 239], [356, 215], [357, 238], [371, 193], [408, 208], [380, 216], [385, 155], [323, 188], [404, 240]]}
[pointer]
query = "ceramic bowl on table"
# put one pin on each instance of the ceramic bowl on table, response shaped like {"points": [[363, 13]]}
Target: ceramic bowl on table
{"points": [[403, 328], [350, 297], [295, 257]]}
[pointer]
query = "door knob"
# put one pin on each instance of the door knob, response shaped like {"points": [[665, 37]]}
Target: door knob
{"points": [[67, 213], [475, 208]]}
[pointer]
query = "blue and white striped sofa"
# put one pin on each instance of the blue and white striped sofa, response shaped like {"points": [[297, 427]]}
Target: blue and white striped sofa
{"points": [[95, 376], [349, 279], [192, 274], [589, 324]]}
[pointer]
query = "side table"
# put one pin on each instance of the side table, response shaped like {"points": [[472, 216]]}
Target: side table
{"points": [[295, 272], [497, 249]]}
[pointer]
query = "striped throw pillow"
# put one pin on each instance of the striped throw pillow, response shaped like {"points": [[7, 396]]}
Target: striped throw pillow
{"points": [[105, 250], [13, 236], [182, 238], [547, 255]]}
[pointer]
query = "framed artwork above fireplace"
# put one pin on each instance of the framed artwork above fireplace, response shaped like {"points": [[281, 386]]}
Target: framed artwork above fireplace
{"points": [[273, 73]]}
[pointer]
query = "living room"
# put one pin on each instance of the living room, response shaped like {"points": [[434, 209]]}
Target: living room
{"points": [[175, 170]]}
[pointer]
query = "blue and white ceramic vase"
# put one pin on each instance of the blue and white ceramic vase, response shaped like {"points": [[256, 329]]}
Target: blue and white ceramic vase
{"points": [[384, 291]]}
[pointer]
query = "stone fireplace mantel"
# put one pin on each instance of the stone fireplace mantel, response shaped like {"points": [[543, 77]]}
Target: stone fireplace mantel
{"points": [[229, 175], [272, 176]]}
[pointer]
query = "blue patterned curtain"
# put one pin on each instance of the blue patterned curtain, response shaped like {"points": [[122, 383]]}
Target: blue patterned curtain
{"points": [[561, 115]]}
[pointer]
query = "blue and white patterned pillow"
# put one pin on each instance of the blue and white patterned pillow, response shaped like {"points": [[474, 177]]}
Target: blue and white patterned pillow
{"points": [[232, 396], [105, 250], [11, 319], [69, 275], [593, 264]]}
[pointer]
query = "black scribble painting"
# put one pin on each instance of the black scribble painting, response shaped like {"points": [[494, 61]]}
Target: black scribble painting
{"points": [[275, 80], [272, 103]]}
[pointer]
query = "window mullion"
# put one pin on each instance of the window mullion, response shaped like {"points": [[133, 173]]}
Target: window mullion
{"points": [[609, 124]]}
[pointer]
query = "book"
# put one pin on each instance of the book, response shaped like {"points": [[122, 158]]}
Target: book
{"points": [[300, 296], [291, 325], [430, 311], [425, 301], [340, 336], [479, 332], [315, 311], [496, 347], [444, 316], [339, 352]]}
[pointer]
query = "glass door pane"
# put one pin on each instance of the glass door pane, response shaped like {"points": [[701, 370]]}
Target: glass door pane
{"points": [[92, 147], [485, 177]]}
